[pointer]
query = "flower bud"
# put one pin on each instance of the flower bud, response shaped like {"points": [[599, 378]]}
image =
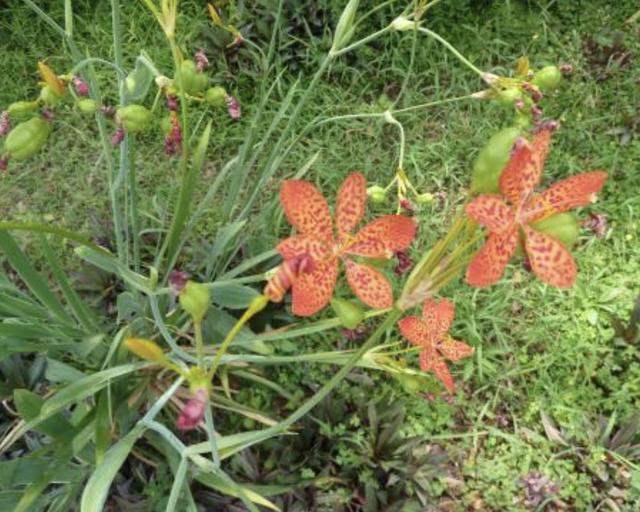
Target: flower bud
{"points": [[548, 78], [376, 194], [402, 23], [215, 96], [488, 165], [134, 118], [27, 138], [193, 411], [87, 106], [146, 349], [349, 313], [20, 108], [425, 198], [194, 299], [562, 226], [190, 79]]}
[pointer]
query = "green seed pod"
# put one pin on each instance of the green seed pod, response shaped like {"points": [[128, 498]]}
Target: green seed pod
{"points": [[27, 138], [134, 118], [376, 194], [563, 226], [491, 159], [425, 198], [48, 96], [87, 106], [508, 97], [350, 314], [192, 81], [215, 96], [410, 383], [194, 299], [20, 108], [547, 79]]}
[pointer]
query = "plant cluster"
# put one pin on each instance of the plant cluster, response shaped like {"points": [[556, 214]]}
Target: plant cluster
{"points": [[193, 358]]}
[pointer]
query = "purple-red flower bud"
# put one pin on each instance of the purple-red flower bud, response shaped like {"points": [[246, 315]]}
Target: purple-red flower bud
{"points": [[178, 280], [403, 263], [566, 69], [118, 136], [108, 110], [81, 87], [172, 103], [202, 62], [406, 205], [596, 223], [193, 411], [233, 107], [47, 114]]}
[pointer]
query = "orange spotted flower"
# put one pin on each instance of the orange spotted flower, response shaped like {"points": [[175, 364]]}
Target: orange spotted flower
{"points": [[308, 211], [431, 334], [549, 258]]}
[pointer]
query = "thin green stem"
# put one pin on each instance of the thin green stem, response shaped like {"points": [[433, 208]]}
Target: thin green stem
{"points": [[255, 307], [211, 433], [133, 205], [361, 42], [452, 49], [53, 230], [197, 330]]}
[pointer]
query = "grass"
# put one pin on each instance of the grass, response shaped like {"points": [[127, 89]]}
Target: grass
{"points": [[542, 355]]}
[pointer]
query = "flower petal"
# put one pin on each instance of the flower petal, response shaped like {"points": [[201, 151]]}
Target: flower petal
{"points": [[413, 328], [313, 291], [579, 190], [454, 350], [491, 212], [437, 318], [301, 244], [431, 361], [383, 237], [369, 285], [306, 209], [550, 260], [489, 263], [352, 198], [524, 170]]}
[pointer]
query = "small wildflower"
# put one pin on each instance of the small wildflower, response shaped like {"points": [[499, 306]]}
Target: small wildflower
{"points": [[233, 107], [202, 62], [81, 87], [404, 263], [173, 141], [108, 110], [193, 411], [354, 334], [178, 280], [118, 136], [5, 123], [172, 103], [47, 114], [566, 69], [597, 223], [538, 488]]}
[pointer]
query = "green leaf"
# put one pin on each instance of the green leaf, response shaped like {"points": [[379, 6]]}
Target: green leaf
{"points": [[111, 264], [230, 488], [232, 295], [29, 405], [36, 284], [88, 386], [102, 426], [95, 492]]}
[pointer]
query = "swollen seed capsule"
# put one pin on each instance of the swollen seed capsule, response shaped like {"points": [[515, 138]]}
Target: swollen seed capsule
{"points": [[48, 96], [27, 138], [194, 299], [508, 97], [425, 198], [548, 78], [492, 158], [215, 96], [350, 314], [376, 194], [134, 118], [87, 106], [20, 108]]}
